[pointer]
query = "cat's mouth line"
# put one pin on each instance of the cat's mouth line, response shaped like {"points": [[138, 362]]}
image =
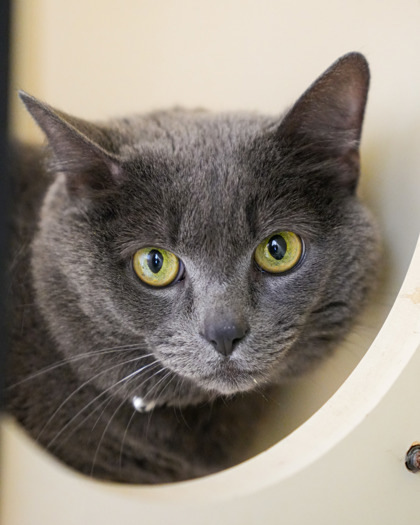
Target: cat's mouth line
{"points": [[229, 379], [237, 368]]}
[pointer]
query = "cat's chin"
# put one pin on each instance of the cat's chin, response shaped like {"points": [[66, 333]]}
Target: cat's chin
{"points": [[225, 389], [229, 382]]}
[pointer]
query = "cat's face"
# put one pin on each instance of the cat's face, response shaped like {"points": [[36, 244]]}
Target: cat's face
{"points": [[212, 196]]}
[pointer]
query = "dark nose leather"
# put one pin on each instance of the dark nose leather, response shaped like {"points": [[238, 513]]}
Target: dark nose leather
{"points": [[224, 332]]}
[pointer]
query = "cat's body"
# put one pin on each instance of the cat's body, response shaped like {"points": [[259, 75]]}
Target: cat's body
{"points": [[209, 189]]}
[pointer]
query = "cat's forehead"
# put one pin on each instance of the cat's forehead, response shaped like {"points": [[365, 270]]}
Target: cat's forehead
{"points": [[195, 161], [203, 180], [203, 158], [183, 130]]}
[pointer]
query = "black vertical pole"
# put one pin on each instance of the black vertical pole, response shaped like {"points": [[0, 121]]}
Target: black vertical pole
{"points": [[5, 13]]}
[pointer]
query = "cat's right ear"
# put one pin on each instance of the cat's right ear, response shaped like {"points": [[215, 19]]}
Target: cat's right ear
{"points": [[325, 124], [81, 150]]}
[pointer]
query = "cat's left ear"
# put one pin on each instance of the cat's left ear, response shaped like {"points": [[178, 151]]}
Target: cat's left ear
{"points": [[326, 122], [81, 150]]}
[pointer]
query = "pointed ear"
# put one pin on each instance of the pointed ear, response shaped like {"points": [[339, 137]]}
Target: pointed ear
{"points": [[327, 119], [80, 150]]}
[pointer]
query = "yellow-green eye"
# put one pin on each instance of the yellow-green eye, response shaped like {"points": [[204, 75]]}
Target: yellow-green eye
{"points": [[156, 266], [279, 252]]}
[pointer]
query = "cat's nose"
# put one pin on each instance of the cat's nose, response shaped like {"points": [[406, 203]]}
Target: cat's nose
{"points": [[224, 332]]}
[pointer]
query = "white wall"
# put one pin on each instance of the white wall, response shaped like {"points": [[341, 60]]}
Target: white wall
{"points": [[110, 57]]}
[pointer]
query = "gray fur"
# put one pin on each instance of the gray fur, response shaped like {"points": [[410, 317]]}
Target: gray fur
{"points": [[209, 188]]}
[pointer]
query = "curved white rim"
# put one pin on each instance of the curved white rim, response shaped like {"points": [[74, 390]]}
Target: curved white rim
{"points": [[392, 349]]}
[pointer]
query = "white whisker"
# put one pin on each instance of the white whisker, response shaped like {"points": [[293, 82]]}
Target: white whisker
{"points": [[100, 405], [160, 381], [76, 358], [125, 435], [165, 387], [104, 432], [136, 372]]}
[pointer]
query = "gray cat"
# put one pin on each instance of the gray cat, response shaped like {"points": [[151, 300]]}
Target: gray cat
{"points": [[168, 268]]}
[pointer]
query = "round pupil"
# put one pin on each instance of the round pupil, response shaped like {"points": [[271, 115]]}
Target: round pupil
{"points": [[277, 247], [155, 261]]}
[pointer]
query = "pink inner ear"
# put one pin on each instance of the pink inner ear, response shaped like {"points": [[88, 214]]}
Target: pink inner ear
{"points": [[117, 173]]}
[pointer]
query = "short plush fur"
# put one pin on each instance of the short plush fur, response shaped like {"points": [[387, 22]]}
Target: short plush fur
{"points": [[89, 336]]}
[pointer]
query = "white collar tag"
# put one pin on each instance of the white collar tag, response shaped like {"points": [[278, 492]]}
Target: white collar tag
{"points": [[141, 405]]}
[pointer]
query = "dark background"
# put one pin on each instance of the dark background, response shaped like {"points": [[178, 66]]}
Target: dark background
{"points": [[4, 172]]}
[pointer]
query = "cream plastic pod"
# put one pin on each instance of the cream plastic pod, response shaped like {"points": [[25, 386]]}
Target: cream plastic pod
{"points": [[345, 462], [332, 447]]}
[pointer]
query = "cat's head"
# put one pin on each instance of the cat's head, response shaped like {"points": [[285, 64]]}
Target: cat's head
{"points": [[219, 252]]}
